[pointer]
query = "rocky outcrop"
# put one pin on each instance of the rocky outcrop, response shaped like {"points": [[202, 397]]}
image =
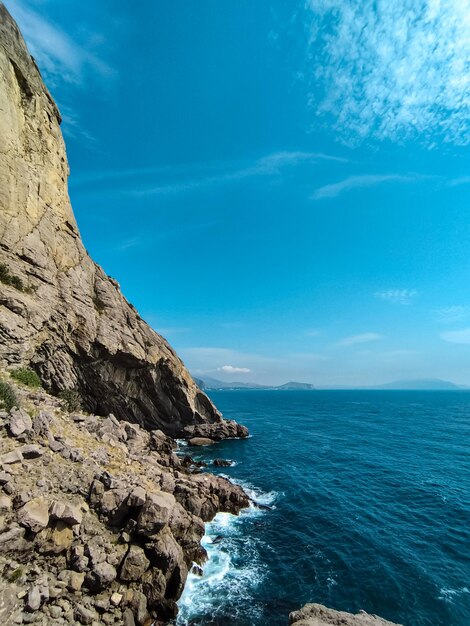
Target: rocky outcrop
{"points": [[100, 520], [319, 615], [59, 312]]}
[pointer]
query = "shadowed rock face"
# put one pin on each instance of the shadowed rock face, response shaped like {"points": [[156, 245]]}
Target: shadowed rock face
{"points": [[66, 318]]}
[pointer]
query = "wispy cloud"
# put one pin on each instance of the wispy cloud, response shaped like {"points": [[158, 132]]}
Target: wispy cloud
{"points": [[61, 58], [461, 180], [457, 336], [391, 70], [397, 296], [356, 182], [451, 314], [354, 340], [230, 369]]}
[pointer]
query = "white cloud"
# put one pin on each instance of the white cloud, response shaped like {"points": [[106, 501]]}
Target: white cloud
{"points": [[354, 340], [457, 336], [461, 180], [451, 314], [60, 58], [391, 70], [229, 369], [355, 182], [313, 332], [396, 296], [270, 165]]}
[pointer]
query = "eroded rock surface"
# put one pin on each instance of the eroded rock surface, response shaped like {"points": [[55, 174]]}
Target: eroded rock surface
{"points": [[102, 525], [59, 311], [319, 615]]}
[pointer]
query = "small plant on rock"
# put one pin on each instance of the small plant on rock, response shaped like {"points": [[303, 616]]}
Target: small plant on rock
{"points": [[9, 279], [27, 376], [72, 399], [7, 396]]}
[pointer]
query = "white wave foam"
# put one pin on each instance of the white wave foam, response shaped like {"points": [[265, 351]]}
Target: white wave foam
{"points": [[233, 569], [449, 595]]}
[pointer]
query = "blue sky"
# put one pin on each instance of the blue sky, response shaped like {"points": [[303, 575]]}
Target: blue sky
{"points": [[281, 188]]}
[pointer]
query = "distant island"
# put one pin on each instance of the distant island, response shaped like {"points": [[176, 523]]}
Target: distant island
{"points": [[212, 384], [418, 384], [421, 384]]}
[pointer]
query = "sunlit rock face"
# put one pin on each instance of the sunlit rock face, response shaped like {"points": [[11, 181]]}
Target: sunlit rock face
{"points": [[59, 312]]}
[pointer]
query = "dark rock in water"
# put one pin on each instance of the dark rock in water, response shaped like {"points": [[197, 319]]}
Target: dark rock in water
{"points": [[197, 570], [217, 539], [221, 463]]}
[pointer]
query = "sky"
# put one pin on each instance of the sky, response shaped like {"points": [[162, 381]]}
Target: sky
{"points": [[280, 187]]}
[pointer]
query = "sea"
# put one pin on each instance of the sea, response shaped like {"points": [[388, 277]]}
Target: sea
{"points": [[365, 504]]}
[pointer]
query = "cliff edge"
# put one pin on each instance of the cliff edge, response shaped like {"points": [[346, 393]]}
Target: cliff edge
{"points": [[59, 312]]}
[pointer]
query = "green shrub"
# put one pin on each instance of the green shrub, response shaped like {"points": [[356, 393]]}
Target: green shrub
{"points": [[17, 574], [8, 278], [72, 399], [7, 396], [27, 376]]}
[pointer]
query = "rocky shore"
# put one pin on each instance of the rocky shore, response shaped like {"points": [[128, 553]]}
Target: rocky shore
{"points": [[100, 520], [319, 615]]}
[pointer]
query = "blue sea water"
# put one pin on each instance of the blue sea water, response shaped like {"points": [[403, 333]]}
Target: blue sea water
{"points": [[369, 495]]}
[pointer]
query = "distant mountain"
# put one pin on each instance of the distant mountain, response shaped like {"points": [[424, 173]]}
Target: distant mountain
{"points": [[216, 385], [292, 386], [421, 384]]}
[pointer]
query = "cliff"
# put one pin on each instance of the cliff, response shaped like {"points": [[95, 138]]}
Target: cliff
{"points": [[59, 312]]}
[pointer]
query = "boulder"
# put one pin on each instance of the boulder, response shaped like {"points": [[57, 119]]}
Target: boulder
{"points": [[137, 497], [201, 441], [66, 512], [34, 514], [135, 564], [20, 422], [101, 576], [156, 512]]}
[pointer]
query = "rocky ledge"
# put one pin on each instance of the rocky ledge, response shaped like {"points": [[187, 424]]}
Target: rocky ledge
{"points": [[100, 520], [319, 615]]}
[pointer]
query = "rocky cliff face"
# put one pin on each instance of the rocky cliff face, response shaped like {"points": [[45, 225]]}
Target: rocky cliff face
{"points": [[59, 311]]}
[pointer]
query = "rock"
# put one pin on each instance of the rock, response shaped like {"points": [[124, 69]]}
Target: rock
{"points": [[73, 580], [319, 615], [68, 513], [116, 598], [4, 478], [201, 441], [84, 615], [137, 497], [34, 599], [135, 564], [155, 514], [56, 539], [128, 618], [9, 458], [34, 514], [20, 422], [31, 451], [221, 463], [101, 576], [5, 504]]}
